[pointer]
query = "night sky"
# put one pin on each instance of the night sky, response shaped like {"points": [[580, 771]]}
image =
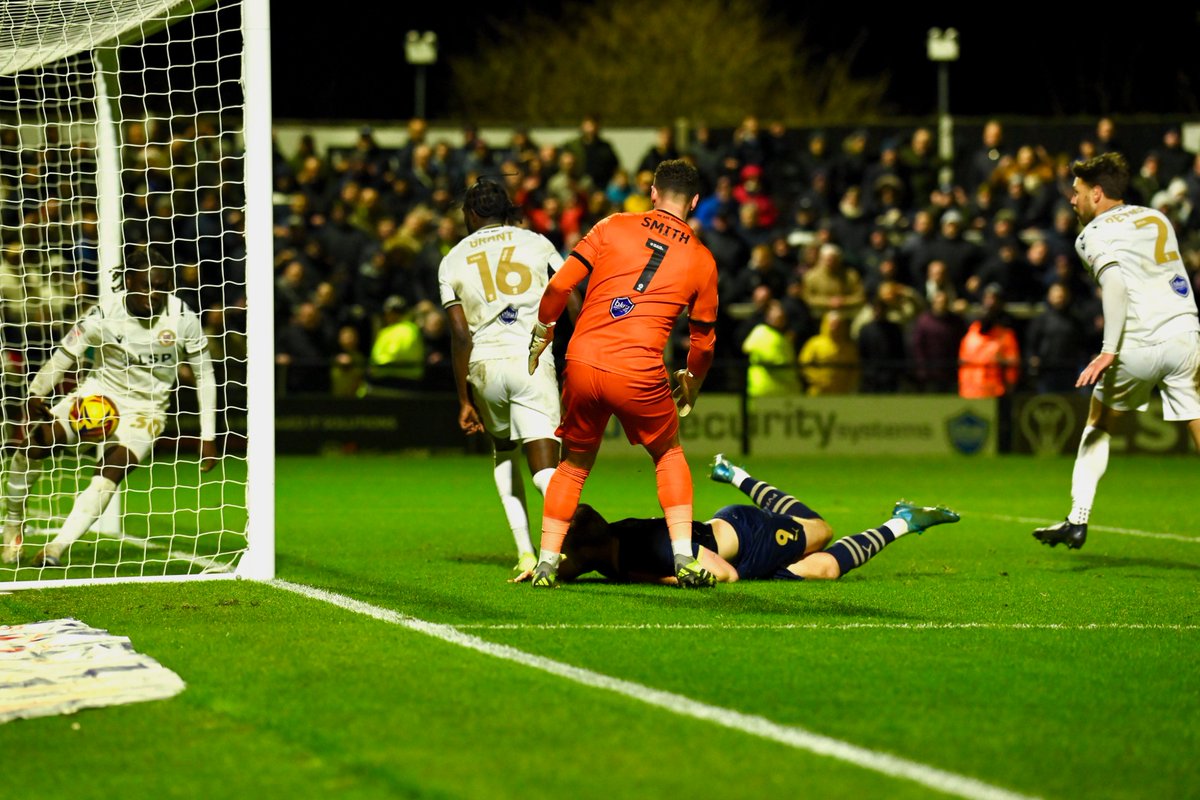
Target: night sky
{"points": [[1065, 61]]}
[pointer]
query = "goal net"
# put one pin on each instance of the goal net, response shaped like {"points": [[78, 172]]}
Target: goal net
{"points": [[123, 127]]}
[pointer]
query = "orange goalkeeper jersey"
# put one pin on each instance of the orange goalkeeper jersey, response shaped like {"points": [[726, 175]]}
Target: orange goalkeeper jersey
{"points": [[644, 269]]}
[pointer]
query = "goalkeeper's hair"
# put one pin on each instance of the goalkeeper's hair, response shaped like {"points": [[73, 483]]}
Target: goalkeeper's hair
{"points": [[489, 200], [679, 177], [1109, 171]]}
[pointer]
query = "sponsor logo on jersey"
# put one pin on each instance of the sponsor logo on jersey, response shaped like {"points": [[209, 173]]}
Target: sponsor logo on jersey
{"points": [[619, 307], [166, 338], [1180, 285], [508, 316]]}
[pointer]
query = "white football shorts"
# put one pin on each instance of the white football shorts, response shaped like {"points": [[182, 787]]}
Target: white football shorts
{"points": [[1172, 365], [139, 425], [512, 403]]}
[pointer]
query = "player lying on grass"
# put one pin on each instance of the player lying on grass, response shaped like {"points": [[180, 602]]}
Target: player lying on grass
{"points": [[777, 538]]}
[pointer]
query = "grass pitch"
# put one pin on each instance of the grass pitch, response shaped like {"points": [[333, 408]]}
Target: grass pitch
{"points": [[971, 649]]}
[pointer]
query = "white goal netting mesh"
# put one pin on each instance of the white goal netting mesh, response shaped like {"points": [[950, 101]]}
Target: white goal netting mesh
{"points": [[121, 127]]}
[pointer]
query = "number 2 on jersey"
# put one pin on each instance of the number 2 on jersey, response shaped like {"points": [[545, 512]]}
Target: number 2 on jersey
{"points": [[505, 270], [1161, 254]]}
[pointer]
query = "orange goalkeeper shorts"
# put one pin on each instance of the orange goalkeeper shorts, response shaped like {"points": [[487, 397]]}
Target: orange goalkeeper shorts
{"points": [[591, 396]]}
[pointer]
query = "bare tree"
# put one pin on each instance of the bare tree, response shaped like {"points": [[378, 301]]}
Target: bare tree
{"points": [[642, 63]]}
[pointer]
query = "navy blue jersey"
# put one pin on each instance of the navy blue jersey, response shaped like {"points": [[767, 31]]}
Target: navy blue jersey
{"points": [[767, 542], [645, 546]]}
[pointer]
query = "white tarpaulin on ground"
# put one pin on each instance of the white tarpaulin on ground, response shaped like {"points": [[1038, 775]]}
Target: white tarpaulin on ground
{"points": [[63, 665]]}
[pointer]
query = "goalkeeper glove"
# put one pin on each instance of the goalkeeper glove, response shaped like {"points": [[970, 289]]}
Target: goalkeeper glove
{"points": [[685, 391], [543, 334]]}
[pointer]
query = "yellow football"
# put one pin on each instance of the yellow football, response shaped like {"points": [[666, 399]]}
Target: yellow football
{"points": [[94, 417]]}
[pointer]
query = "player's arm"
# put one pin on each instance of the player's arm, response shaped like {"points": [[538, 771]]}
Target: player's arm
{"points": [[206, 394], [84, 334], [702, 330], [721, 569], [461, 344], [42, 386], [1114, 296], [554, 302]]}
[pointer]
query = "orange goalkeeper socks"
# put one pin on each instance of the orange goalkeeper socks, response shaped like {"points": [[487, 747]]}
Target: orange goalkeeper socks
{"points": [[562, 498], [674, 479]]}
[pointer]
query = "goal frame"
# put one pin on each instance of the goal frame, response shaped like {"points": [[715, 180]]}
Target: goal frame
{"points": [[257, 561]]}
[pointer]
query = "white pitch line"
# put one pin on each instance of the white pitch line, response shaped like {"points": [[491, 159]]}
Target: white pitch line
{"points": [[1175, 537], [894, 766], [847, 626]]}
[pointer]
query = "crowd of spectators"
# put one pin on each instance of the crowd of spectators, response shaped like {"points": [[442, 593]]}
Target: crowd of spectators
{"points": [[847, 263], [182, 191]]}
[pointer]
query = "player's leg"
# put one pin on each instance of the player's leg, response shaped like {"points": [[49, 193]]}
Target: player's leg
{"points": [[851, 552], [1194, 429], [117, 463], [649, 417], [585, 414], [1091, 461], [763, 494], [506, 473], [536, 416], [542, 455], [562, 499], [673, 478], [131, 442], [24, 470]]}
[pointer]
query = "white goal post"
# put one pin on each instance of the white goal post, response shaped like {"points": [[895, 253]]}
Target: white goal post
{"points": [[128, 124]]}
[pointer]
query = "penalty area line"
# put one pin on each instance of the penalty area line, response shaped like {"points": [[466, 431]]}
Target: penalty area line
{"points": [[884, 763]]}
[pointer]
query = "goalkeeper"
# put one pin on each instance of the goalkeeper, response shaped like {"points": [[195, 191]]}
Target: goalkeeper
{"points": [[643, 270], [777, 538], [140, 338]]}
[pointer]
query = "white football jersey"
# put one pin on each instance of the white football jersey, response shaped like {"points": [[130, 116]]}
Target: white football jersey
{"points": [[1141, 243], [134, 357], [498, 274]]}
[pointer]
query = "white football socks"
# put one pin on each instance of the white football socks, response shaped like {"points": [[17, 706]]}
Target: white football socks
{"points": [[89, 505], [511, 489], [1090, 464], [541, 479], [739, 475], [22, 474], [682, 547]]}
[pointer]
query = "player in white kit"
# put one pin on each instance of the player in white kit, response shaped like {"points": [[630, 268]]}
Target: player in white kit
{"points": [[491, 284], [1151, 329], [139, 338]]}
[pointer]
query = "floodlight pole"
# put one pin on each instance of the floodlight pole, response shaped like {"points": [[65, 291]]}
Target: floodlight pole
{"points": [[942, 47], [420, 50]]}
